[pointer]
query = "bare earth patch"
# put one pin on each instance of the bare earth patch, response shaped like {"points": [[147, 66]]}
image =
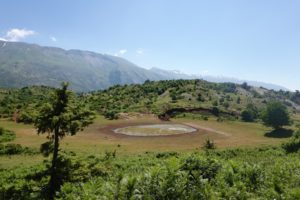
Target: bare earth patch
{"points": [[208, 129], [155, 130]]}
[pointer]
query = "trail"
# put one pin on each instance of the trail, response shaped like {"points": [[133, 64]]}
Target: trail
{"points": [[207, 129]]}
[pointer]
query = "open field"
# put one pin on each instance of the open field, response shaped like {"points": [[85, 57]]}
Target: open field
{"points": [[100, 137]]}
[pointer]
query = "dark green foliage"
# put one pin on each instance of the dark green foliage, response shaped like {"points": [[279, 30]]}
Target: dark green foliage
{"points": [[209, 144], [247, 116], [200, 98], [294, 144], [6, 135], [245, 86], [260, 173], [13, 149], [250, 114], [111, 114], [60, 117], [238, 100], [166, 154], [275, 115], [46, 148], [215, 111]]}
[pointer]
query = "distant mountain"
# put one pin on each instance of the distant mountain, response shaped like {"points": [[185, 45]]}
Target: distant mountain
{"points": [[23, 64], [179, 75]]}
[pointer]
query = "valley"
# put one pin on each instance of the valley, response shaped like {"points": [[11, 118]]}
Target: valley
{"points": [[149, 100], [136, 128]]}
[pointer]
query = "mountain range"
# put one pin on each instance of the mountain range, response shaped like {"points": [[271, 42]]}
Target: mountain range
{"points": [[23, 64]]}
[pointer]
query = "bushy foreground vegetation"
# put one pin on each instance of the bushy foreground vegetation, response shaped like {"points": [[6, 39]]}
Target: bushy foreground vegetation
{"points": [[261, 173]]}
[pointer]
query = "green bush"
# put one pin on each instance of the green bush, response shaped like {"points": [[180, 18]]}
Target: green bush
{"points": [[13, 149], [241, 173], [247, 116], [209, 144], [6, 135], [27, 117], [293, 145], [111, 114], [215, 111]]}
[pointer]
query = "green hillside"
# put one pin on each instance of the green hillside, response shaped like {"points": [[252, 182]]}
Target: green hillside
{"points": [[161, 96], [156, 97]]}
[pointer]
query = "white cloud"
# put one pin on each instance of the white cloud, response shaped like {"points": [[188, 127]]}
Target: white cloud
{"points": [[121, 52], [15, 34], [140, 51], [2, 39], [53, 39]]}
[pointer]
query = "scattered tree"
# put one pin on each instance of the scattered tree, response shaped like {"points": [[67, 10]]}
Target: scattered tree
{"points": [[245, 86], [275, 115], [60, 117], [215, 111], [247, 116], [250, 113], [238, 100]]}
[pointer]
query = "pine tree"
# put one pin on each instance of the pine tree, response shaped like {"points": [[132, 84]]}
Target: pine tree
{"points": [[60, 117]]}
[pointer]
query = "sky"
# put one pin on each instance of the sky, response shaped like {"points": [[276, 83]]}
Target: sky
{"points": [[245, 39]]}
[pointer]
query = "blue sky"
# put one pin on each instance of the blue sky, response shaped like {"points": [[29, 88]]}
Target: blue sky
{"points": [[246, 39]]}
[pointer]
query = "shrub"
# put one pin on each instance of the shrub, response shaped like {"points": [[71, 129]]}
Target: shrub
{"points": [[209, 144], [6, 135], [13, 149], [247, 116], [27, 117], [293, 145], [111, 114], [215, 111], [199, 167]]}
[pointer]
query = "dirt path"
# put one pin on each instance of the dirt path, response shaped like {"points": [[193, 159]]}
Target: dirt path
{"points": [[207, 129]]}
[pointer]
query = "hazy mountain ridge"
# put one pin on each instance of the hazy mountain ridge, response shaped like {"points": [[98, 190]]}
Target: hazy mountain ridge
{"points": [[23, 64], [217, 79]]}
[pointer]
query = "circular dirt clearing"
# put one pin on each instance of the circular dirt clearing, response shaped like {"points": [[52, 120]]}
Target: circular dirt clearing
{"points": [[155, 130]]}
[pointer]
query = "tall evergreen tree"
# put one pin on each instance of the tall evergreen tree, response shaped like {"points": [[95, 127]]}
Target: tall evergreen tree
{"points": [[60, 117]]}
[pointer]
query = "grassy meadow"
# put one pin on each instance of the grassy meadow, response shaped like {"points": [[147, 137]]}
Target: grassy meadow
{"points": [[99, 137]]}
